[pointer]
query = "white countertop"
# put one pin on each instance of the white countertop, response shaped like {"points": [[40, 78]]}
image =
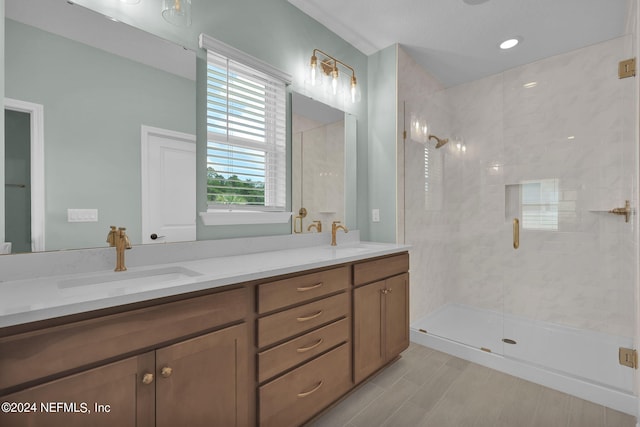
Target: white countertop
{"points": [[30, 300]]}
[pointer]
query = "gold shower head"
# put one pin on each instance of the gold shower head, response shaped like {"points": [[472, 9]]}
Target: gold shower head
{"points": [[439, 142]]}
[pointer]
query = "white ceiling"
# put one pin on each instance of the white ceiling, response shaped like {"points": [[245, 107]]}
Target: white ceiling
{"points": [[457, 40]]}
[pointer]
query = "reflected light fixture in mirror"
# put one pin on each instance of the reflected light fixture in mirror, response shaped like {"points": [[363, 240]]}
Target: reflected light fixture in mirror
{"points": [[328, 68], [177, 12], [419, 129]]}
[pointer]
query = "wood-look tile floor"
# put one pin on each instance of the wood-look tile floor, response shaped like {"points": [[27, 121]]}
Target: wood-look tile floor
{"points": [[429, 388]]}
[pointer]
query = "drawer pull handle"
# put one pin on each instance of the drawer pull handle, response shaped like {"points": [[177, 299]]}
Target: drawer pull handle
{"points": [[311, 347], [147, 378], [313, 316], [313, 390], [310, 288]]}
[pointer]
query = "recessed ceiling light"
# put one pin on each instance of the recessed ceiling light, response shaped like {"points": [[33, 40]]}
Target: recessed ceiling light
{"points": [[530, 85], [510, 43]]}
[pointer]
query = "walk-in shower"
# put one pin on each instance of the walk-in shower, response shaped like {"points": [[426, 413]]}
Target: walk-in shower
{"points": [[517, 259]]}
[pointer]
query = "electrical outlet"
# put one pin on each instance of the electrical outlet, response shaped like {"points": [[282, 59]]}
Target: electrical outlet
{"points": [[375, 215], [82, 215]]}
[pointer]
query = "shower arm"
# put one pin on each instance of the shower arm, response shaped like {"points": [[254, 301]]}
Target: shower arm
{"points": [[439, 141]]}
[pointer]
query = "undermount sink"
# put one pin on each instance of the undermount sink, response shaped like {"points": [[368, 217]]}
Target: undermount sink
{"points": [[353, 249], [128, 279]]}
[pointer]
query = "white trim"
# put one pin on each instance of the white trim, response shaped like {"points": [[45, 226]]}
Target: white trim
{"points": [[209, 43], [145, 133], [240, 217], [36, 111]]}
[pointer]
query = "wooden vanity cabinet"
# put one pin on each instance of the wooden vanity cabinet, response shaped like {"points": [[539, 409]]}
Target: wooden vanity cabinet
{"points": [[380, 313], [269, 353], [304, 345], [115, 386], [190, 376]]}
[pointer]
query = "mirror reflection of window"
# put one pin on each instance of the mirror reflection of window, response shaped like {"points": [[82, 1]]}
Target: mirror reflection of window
{"points": [[540, 204]]}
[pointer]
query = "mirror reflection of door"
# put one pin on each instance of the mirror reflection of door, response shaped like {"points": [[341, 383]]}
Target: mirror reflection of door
{"points": [[168, 172], [318, 163], [17, 178]]}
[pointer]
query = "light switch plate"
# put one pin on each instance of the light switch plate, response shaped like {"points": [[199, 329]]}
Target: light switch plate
{"points": [[375, 215], [82, 215]]}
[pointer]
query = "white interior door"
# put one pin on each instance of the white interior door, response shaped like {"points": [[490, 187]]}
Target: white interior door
{"points": [[168, 186]]}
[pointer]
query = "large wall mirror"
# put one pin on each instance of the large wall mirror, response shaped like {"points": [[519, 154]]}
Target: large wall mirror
{"points": [[94, 83], [323, 166]]}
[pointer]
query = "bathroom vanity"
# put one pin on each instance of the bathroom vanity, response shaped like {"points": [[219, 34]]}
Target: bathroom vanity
{"points": [[268, 348]]}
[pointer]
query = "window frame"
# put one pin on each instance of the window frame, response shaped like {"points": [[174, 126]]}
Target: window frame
{"points": [[246, 61]]}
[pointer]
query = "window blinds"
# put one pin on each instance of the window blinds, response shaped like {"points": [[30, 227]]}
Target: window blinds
{"points": [[246, 135]]}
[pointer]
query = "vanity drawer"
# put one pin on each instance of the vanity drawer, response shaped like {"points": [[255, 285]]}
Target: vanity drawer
{"points": [[370, 271], [280, 358], [286, 292], [295, 397], [49, 351], [280, 326]]}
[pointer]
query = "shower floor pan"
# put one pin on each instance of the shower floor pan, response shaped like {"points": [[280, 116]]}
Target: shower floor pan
{"points": [[575, 361]]}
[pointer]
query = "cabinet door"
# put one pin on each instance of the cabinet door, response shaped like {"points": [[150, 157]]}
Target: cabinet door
{"points": [[368, 330], [204, 381], [396, 308], [111, 395]]}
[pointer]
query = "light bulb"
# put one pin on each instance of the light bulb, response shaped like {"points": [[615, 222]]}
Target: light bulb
{"points": [[353, 89], [314, 70]]}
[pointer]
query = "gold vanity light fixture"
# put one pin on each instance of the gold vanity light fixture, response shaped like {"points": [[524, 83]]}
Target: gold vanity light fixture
{"points": [[328, 66], [177, 12]]}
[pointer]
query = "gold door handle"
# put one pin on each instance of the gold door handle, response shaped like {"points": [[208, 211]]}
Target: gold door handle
{"points": [[309, 288], [516, 233], [313, 390], [302, 213], [311, 347], [313, 316], [166, 372], [147, 378], [297, 229]]}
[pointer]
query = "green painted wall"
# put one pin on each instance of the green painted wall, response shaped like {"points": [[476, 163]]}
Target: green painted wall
{"points": [[382, 143], [94, 105]]}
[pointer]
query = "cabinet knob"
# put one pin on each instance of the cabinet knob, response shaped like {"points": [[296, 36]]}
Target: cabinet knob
{"points": [[147, 378], [166, 372]]}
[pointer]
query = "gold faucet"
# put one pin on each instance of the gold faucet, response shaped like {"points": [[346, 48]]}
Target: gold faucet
{"points": [[334, 228], [120, 240], [317, 225]]}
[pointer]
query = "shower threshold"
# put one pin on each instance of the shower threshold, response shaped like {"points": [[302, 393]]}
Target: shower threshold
{"points": [[579, 362]]}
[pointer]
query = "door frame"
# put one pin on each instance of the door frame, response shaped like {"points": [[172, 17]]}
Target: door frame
{"points": [[146, 133], [36, 112]]}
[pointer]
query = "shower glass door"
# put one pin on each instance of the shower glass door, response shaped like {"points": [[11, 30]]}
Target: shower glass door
{"points": [[552, 146], [570, 157]]}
